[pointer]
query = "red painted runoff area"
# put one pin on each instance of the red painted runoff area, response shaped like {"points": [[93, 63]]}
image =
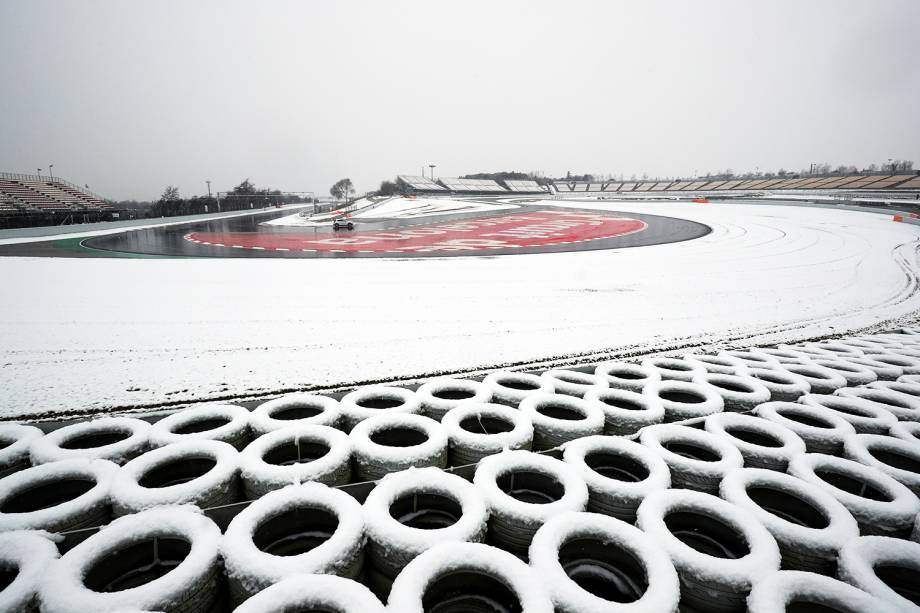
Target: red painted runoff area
{"points": [[534, 229]]}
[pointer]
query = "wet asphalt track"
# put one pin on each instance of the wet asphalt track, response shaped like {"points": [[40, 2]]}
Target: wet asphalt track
{"points": [[171, 241]]}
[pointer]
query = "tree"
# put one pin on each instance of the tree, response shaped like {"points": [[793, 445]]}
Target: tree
{"points": [[170, 194], [341, 189], [387, 188], [246, 187]]}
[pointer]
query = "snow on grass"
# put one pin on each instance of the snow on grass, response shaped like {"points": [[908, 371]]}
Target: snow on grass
{"points": [[84, 334]]}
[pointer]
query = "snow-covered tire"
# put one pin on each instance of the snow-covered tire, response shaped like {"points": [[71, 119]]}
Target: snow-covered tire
{"points": [[782, 384], [675, 369], [896, 458], [116, 439], [441, 395], [739, 392], [24, 560], [626, 375], [697, 459], [163, 559], [202, 473], [619, 473], [815, 353], [57, 496], [821, 380], [908, 364], [523, 490], [809, 525], [904, 406], [754, 358], [784, 590], [880, 505], [375, 400], [307, 528], [718, 549], [822, 430], [15, 441], [414, 510], [294, 410], [626, 412], [855, 374], [762, 443], [884, 567], [596, 564], [573, 382], [883, 371], [718, 364], [911, 379], [558, 419], [838, 349], [906, 430], [222, 422], [509, 387], [295, 455], [778, 357], [683, 400], [389, 443], [314, 593], [476, 430], [865, 416], [468, 577]]}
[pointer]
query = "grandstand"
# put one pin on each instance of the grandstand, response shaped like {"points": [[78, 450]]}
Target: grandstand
{"points": [[36, 194], [420, 184], [471, 185], [523, 186]]}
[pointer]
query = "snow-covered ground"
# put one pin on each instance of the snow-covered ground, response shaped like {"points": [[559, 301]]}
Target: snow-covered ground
{"points": [[82, 334]]}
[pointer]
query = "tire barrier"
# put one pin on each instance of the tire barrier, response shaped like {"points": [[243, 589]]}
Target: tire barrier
{"points": [[376, 400], [202, 473], [441, 395], [784, 590], [782, 384], [674, 369], [838, 349], [809, 525], [24, 561], [573, 382], [903, 406], [884, 567], [854, 374], [908, 365], [822, 430], [223, 422], [718, 549], [314, 593], [558, 419], [619, 473], [523, 490], [512, 387], [15, 441], [309, 528], [883, 371], [410, 512], [468, 577], [815, 353], [697, 459], [477, 430], [911, 379], [753, 358], [762, 443], [865, 416], [294, 410], [626, 375], [739, 393], [821, 380], [57, 496], [777, 357], [880, 505], [906, 430], [896, 458], [718, 364], [390, 443], [164, 559], [117, 439], [295, 455], [683, 400], [594, 564], [626, 412]]}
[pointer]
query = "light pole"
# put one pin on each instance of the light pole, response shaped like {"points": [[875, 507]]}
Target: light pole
{"points": [[432, 167], [39, 172], [208, 181], [50, 171]]}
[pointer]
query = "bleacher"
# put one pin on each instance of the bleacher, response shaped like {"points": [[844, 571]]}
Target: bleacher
{"points": [[471, 185], [523, 186], [34, 193], [420, 184]]}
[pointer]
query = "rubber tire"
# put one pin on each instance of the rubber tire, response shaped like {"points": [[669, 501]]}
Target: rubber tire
{"points": [[313, 593], [550, 432], [782, 384], [866, 417], [573, 382], [17, 439], [28, 555], [626, 412], [436, 407], [354, 412], [775, 592], [264, 418], [523, 383], [827, 438], [901, 459], [690, 472], [821, 380], [727, 386], [755, 453], [52, 447], [466, 447], [710, 401], [234, 429], [718, 364], [372, 460], [674, 369], [860, 557], [904, 406], [636, 376]]}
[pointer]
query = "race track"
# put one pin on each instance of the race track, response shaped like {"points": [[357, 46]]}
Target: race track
{"points": [[86, 335]]}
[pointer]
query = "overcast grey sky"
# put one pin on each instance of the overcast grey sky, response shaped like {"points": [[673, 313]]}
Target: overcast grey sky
{"points": [[130, 96]]}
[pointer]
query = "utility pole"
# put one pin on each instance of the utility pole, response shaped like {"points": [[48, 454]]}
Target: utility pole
{"points": [[208, 181]]}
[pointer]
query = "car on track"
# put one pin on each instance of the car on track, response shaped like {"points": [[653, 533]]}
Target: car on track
{"points": [[343, 224]]}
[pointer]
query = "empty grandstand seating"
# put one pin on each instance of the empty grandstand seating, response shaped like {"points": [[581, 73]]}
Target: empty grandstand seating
{"points": [[471, 185], [34, 193], [913, 183], [421, 184], [527, 186]]}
